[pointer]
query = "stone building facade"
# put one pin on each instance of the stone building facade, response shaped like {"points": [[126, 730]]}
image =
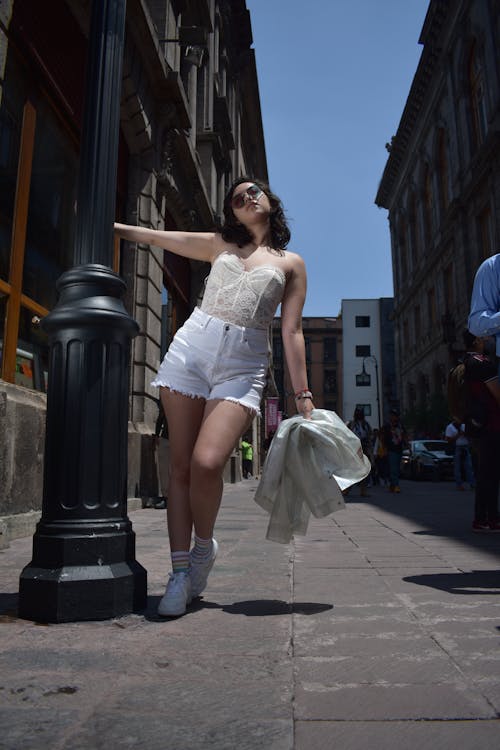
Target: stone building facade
{"points": [[441, 187], [190, 124]]}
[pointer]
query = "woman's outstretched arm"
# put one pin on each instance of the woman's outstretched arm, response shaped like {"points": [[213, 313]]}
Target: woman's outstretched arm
{"points": [[196, 245]]}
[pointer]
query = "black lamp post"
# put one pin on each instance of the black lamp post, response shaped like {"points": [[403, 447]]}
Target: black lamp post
{"points": [[83, 565], [364, 376]]}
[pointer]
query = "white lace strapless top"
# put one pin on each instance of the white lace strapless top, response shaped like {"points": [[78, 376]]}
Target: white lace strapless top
{"points": [[245, 298]]}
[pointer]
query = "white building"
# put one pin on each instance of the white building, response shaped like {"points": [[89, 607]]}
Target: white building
{"points": [[368, 358]]}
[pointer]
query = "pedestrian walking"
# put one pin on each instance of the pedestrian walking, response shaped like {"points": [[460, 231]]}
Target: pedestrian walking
{"points": [[394, 439], [483, 425], [247, 459], [213, 375], [362, 429], [381, 460], [462, 459]]}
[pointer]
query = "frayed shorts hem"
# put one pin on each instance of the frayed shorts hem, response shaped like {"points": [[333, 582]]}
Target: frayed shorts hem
{"points": [[250, 408]]}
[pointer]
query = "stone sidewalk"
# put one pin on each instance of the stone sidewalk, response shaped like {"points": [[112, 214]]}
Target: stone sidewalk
{"points": [[379, 628]]}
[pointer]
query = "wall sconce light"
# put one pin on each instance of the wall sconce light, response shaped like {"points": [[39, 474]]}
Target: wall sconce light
{"points": [[194, 54], [363, 379]]}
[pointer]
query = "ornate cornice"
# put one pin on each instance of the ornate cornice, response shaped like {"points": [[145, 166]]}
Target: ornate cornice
{"points": [[431, 37]]}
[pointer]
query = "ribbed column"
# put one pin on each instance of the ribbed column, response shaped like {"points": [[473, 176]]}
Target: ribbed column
{"points": [[83, 565]]}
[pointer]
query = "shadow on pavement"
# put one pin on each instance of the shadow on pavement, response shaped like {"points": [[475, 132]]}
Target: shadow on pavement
{"points": [[267, 607], [250, 608], [477, 582], [437, 507], [8, 607]]}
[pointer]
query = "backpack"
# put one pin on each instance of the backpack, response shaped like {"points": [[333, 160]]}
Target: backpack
{"points": [[462, 407]]}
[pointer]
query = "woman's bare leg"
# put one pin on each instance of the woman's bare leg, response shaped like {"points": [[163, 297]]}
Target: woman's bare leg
{"points": [[223, 424], [184, 416]]}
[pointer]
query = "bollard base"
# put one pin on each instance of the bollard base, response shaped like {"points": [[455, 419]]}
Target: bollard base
{"points": [[82, 592]]}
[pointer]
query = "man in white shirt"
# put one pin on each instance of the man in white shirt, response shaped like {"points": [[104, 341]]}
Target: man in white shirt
{"points": [[455, 435]]}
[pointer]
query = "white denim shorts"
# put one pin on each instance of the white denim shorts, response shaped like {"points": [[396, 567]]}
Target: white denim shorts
{"points": [[211, 359]]}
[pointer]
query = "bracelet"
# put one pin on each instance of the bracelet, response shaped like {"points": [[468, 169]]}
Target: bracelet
{"points": [[303, 394]]}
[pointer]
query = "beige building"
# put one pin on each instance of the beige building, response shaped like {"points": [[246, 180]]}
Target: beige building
{"points": [[323, 339], [441, 187], [190, 124]]}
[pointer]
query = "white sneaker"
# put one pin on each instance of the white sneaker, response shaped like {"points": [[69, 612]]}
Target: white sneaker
{"points": [[199, 570], [177, 595]]}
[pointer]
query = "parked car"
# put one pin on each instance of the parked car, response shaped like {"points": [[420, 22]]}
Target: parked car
{"points": [[427, 459]]}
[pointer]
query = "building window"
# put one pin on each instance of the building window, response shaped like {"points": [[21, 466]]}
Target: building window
{"points": [[330, 382], [477, 96], [427, 208], [417, 324], [307, 342], [362, 321], [367, 409], [414, 235], [363, 350], [485, 235], [406, 336], [448, 288], [330, 349], [277, 349], [442, 159], [279, 380], [403, 252], [431, 307], [412, 395], [363, 380]]}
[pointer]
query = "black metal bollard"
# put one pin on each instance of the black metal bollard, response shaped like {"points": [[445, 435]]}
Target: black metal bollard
{"points": [[83, 565]]}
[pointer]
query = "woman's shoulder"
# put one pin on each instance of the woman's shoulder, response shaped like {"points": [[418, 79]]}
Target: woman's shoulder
{"points": [[294, 261]]}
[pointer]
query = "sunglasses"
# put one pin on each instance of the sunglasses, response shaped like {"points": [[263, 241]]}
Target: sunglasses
{"points": [[254, 192]]}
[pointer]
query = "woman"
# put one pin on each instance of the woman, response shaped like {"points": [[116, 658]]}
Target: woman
{"points": [[213, 375]]}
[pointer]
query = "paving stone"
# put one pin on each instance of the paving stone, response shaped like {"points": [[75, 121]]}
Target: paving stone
{"points": [[379, 628], [379, 735]]}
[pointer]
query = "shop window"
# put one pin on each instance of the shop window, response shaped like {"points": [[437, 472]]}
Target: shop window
{"points": [[39, 117], [37, 174], [10, 131], [51, 210]]}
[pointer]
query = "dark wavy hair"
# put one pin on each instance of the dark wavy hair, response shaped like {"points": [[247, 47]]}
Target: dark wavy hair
{"points": [[234, 231]]}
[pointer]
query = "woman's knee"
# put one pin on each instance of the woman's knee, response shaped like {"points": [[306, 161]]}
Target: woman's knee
{"points": [[207, 464]]}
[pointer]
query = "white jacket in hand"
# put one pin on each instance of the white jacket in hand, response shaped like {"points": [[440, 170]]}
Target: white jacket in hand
{"points": [[308, 465]]}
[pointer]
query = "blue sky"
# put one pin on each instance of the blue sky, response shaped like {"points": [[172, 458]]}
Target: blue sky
{"points": [[334, 76]]}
